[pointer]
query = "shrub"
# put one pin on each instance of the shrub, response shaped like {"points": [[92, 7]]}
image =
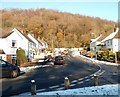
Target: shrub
{"points": [[91, 54], [20, 56], [100, 55], [106, 55], [111, 55]]}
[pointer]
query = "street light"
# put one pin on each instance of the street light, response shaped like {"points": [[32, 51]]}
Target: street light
{"points": [[84, 28]]}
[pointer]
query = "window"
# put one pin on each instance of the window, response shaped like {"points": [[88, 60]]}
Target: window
{"points": [[110, 42], [13, 43], [13, 59]]}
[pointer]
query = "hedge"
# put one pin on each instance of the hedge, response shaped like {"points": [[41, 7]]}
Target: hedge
{"points": [[20, 56]]}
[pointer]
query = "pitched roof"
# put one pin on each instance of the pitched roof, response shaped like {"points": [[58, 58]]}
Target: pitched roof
{"points": [[39, 42], [111, 36], [3, 34], [1, 51], [29, 35], [25, 35], [96, 39], [117, 35]]}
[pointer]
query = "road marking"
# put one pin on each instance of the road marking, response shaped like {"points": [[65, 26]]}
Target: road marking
{"points": [[70, 75], [115, 73], [62, 84], [72, 85], [41, 90], [60, 88], [92, 77], [86, 77], [80, 82], [80, 79], [101, 72], [87, 80], [73, 81], [54, 87]]}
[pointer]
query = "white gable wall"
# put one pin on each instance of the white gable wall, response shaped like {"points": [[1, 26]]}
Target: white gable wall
{"points": [[3, 44], [21, 41], [116, 45], [92, 46]]}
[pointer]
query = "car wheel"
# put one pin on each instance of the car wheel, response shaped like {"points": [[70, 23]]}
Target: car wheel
{"points": [[14, 74]]}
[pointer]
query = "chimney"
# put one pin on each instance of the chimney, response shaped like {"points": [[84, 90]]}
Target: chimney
{"points": [[114, 29]]}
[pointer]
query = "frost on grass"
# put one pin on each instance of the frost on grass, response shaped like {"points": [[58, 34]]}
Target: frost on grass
{"points": [[97, 90]]}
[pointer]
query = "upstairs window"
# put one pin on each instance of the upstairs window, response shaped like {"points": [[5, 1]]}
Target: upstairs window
{"points": [[110, 42], [14, 43]]}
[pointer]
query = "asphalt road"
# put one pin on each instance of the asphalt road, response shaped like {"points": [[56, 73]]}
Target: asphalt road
{"points": [[80, 74]]}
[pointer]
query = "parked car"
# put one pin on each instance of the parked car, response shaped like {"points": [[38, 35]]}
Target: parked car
{"points": [[59, 60], [8, 70], [49, 60]]}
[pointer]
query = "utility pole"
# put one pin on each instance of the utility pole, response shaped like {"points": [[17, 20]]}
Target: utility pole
{"points": [[64, 39], [84, 28], [52, 41]]}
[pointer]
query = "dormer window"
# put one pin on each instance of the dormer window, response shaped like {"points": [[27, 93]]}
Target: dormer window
{"points": [[14, 43]]}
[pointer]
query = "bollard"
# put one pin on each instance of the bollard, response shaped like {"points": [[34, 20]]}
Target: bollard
{"points": [[66, 83], [33, 87], [95, 80]]}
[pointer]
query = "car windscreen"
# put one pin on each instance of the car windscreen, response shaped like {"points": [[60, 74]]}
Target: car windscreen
{"points": [[59, 58], [3, 63]]}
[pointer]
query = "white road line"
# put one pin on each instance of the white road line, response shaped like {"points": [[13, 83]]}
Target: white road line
{"points": [[86, 77], [80, 82], [62, 84], [72, 85], [101, 72], [80, 79], [54, 87], [60, 88], [41, 90], [73, 81], [92, 77], [87, 80], [70, 75]]}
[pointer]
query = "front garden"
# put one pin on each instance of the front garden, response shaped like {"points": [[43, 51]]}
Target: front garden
{"points": [[105, 55]]}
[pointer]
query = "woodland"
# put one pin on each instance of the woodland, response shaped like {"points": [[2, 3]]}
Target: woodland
{"points": [[58, 29]]}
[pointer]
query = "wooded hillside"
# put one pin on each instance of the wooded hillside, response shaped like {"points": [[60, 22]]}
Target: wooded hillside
{"points": [[61, 28]]}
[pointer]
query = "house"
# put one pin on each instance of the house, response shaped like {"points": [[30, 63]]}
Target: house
{"points": [[95, 44], [39, 45], [45, 45], [10, 42], [2, 54], [112, 41]]}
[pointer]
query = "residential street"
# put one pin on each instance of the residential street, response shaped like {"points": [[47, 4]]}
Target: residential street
{"points": [[80, 74]]}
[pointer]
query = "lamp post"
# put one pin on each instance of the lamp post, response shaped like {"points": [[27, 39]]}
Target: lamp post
{"points": [[84, 28], [52, 41]]}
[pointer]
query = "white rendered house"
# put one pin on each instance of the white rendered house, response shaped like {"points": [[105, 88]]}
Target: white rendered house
{"points": [[112, 42], [38, 46], [11, 42], [94, 44]]}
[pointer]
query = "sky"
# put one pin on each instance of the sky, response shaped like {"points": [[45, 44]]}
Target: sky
{"points": [[105, 10]]}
